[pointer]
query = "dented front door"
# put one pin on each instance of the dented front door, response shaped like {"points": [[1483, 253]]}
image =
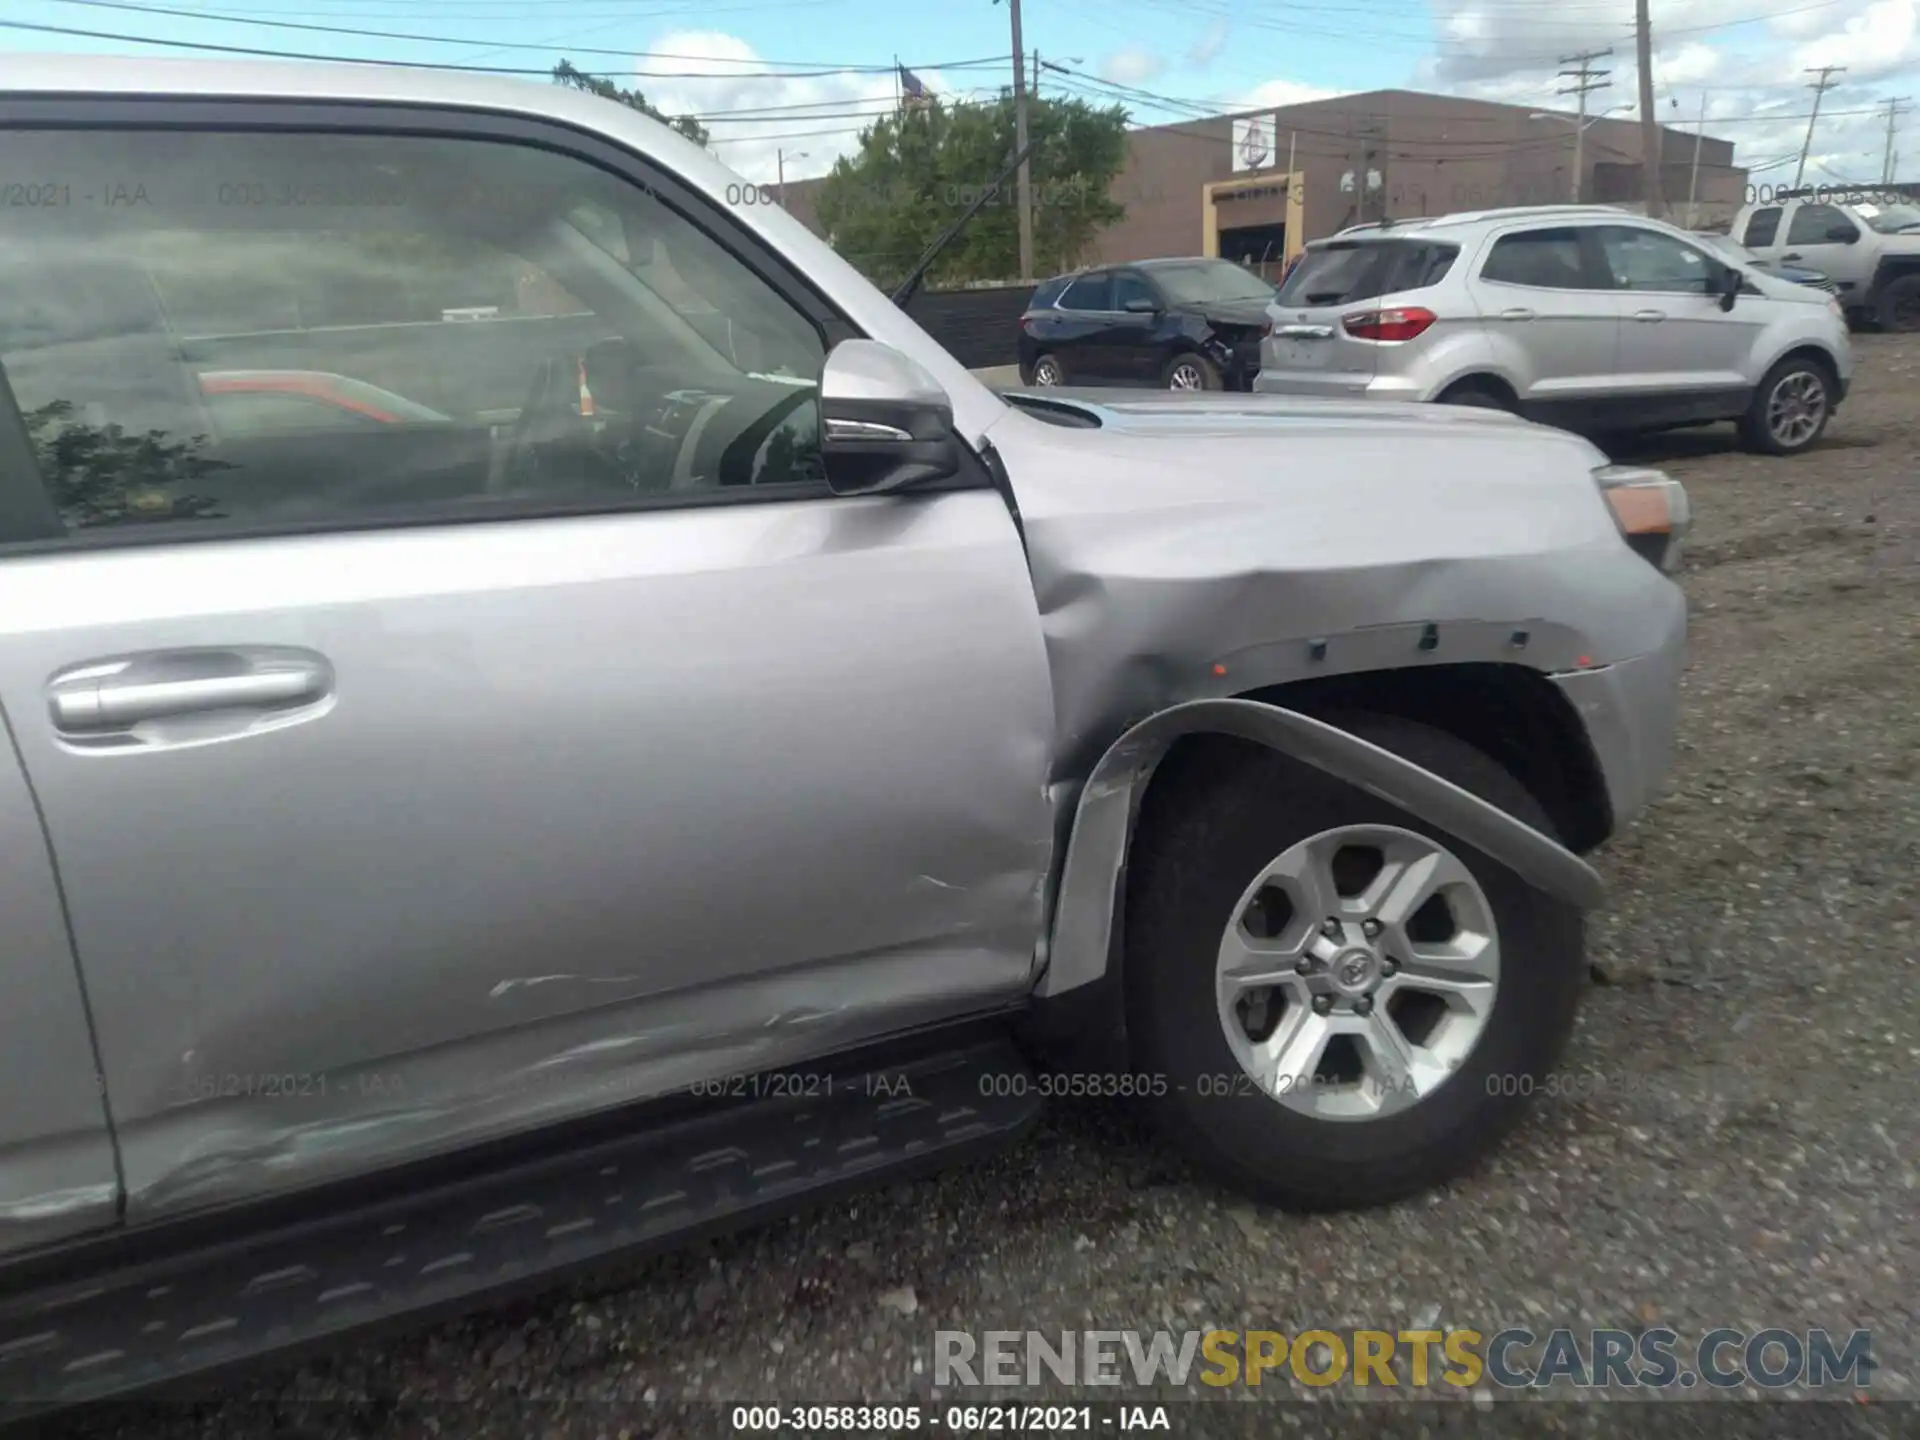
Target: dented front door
{"points": [[56, 1156]]}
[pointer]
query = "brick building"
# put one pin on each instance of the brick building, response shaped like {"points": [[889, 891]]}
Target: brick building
{"points": [[1259, 184]]}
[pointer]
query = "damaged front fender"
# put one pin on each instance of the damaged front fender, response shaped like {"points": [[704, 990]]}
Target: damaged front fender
{"points": [[1090, 882]]}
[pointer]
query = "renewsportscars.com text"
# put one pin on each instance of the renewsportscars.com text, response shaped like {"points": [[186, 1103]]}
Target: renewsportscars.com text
{"points": [[1511, 1358]]}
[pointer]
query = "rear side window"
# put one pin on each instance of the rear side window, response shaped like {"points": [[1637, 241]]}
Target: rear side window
{"points": [[1762, 226], [1089, 292], [1342, 273], [1545, 259], [1819, 224], [1047, 293]]}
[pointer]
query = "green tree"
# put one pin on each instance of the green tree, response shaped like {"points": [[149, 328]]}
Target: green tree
{"points": [[915, 172], [565, 74], [100, 475]]}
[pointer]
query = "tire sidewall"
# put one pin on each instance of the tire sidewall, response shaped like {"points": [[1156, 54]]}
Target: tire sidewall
{"points": [[1209, 377], [1761, 434]]}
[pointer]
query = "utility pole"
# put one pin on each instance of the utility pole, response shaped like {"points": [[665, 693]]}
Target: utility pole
{"points": [[1025, 183], [1650, 140], [1586, 80], [1819, 88], [1693, 178], [1894, 107]]}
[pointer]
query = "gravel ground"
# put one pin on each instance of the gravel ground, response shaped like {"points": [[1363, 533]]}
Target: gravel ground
{"points": [[1752, 1160]]}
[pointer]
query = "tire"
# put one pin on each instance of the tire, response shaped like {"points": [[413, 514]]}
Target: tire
{"points": [[1799, 389], [1202, 845], [1197, 368], [1047, 371], [1898, 311], [1475, 396]]}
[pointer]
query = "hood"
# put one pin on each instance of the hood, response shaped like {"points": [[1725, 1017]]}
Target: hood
{"points": [[1215, 413], [1229, 312]]}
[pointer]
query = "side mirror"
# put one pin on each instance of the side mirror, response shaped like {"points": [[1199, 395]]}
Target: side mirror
{"points": [[1842, 234], [1140, 305], [885, 423], [1730, 282]]}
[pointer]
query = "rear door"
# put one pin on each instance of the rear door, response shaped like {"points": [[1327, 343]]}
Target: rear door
{"points": [[1087, 324], [1553, 313], [419, 784]]}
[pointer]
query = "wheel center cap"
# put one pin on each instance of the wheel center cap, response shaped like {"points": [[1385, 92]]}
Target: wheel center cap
{"points": [[1354, 972]]}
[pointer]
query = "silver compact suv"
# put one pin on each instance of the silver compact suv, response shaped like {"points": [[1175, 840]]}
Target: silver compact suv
{"points": [[1585, 317]]}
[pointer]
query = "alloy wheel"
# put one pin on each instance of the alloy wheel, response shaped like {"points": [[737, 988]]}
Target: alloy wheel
{"points": [[1797, 408], [1046, 373], [1358, 972], [1186, 376]]}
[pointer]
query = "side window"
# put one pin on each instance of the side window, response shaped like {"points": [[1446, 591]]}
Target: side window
{"points": [[299, 329], [1128, 287], [1762, 226], [1820, 225], [1648, 260], [1544, 259], [1089, 292], [1046, 294]]}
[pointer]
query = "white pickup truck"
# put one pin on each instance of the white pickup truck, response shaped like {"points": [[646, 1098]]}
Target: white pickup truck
{"points": [[1866, 240]]}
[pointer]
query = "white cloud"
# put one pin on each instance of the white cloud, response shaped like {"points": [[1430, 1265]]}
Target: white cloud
{"points": [[1272, 94], [1134, 65], [1208, 47], [1749, 64], [753, 118]]}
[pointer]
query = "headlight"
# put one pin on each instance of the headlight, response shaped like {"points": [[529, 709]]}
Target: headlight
{"points": [[1651, 509]]}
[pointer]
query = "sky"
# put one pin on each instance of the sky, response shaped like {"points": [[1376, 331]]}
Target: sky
{"points": [[784, 88]]}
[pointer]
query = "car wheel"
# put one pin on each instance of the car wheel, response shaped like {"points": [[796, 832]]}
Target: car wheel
{"points": [[1347, 1005], [1046, 371], [1899, 308], [1790, 408], [1191, 372]]}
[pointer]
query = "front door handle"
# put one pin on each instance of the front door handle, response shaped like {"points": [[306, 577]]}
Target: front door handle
{"points": [[117, 694], [1518, 312], [1649, 315], [1789, 259]]}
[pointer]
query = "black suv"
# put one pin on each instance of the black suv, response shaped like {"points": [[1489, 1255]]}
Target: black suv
{"points": [[1192, 324]]}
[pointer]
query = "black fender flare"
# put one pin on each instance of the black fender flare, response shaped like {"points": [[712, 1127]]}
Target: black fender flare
{"points": [[1086, 902]]}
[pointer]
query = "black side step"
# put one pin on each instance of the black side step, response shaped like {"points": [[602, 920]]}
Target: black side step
{"points": [[218, 1305]]}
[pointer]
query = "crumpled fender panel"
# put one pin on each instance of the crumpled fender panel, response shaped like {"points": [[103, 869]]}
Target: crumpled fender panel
{"points": [[1103, 824]]}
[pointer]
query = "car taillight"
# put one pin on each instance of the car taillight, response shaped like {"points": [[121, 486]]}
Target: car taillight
{"points": [[1401, 323]]}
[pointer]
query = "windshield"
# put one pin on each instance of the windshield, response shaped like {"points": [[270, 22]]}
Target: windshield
{"points": [[1891, 219], [1201, 284]]}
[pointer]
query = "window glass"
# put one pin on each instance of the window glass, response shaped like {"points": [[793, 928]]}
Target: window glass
{"points": [[1089, 292], [1547, 259], [1344, 272], [291, 329], [1649, 260], [1762, 226], [1890, 219], [1131, 287], [1811, 224], [1209, 281]]}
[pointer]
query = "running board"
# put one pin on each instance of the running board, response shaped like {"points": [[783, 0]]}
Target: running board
{"points": [[450, 1248]]}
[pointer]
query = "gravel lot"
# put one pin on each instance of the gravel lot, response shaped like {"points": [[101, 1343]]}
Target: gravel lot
{"points": [[1752, 1161]]}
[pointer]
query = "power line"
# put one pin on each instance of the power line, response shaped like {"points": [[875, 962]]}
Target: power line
{"points": [[570, 49]]}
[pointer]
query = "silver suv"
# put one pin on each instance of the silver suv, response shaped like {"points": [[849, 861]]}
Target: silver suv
{"points": [[1585, 317], [503, 767]]}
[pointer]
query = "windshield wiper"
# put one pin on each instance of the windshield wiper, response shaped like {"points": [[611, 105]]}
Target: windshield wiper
{"points": [[912, 282]]}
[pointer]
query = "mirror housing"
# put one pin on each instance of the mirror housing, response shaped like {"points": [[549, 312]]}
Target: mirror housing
{"points": [[1842, 234], [1140, 305], [1730, 282], [885, 423]]}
